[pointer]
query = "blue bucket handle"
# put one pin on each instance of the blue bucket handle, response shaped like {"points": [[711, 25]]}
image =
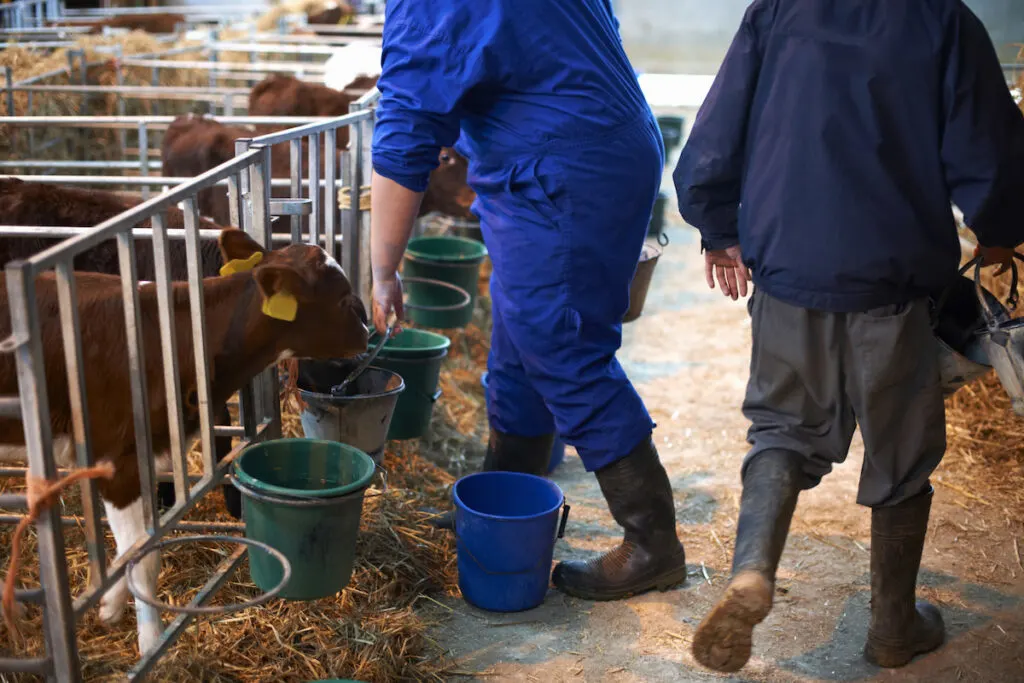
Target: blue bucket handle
{"points": [[561, 532]]}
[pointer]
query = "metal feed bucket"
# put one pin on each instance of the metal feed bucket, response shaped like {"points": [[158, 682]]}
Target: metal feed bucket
{"points": [[1003, 341], [975, 333]]}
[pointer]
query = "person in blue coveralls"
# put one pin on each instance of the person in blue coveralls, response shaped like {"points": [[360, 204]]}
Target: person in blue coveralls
{"points": [[565, 157], [823, 165]]}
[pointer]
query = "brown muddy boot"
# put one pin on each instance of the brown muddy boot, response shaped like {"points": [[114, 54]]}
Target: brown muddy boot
{"points": [[901, 627], [650, 556], [508, 453], [771, 485]]}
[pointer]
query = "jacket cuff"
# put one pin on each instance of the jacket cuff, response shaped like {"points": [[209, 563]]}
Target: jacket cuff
{"points": [[717, 243], [414, 182]]}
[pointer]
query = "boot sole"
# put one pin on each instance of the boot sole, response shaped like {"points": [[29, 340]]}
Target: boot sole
{"points": [[663, 582], [724, 639]]}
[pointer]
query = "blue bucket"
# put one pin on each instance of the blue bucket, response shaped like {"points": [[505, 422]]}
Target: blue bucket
{"points": [[557, 447], [505, 527]]}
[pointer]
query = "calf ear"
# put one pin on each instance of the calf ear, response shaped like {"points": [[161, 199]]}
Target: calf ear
{"points": [[282, 278], [235, 244]]}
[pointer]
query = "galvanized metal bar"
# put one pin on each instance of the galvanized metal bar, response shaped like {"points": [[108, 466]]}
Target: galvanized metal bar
{"points": [[205, 527], [121, 222], [13, 501], [330, 203], [10, 406], [121, 106], [309, 129], [262, 67], [295, 152], [65, 163], [349, 230], [53, 576], [153, 121], [80, 421], [40, 666], [269, 403], [178, 447], [9, 75], [178, 626], [200, 344], [143, 155], [130, 181], [137, 373], [137, 233], [356, 245], [314, 188]]}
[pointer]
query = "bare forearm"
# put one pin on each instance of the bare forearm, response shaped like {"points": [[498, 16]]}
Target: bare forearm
{"points": [[394, 210]]}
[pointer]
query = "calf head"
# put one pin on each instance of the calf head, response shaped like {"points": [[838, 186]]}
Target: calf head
{"points": [[448, 191], [307, 294]]}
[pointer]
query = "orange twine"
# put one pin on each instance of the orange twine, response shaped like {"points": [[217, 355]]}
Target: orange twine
{"points": [[41, 494]]}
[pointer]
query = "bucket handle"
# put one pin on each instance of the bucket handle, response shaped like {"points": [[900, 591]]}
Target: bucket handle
{"points": [[663, 239], [1011, 300], [560, 534], [466, 298], [220, 609]]}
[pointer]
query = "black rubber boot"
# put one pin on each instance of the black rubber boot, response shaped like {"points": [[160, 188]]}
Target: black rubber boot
{"points": [[650, 556], [901, 626], [509, 453], [771, 485]]}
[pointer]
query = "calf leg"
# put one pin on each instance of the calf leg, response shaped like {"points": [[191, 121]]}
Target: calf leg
{"points": [[129, 528]]}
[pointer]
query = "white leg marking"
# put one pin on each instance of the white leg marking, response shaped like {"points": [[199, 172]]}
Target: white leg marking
{"points": [[128, 527]]}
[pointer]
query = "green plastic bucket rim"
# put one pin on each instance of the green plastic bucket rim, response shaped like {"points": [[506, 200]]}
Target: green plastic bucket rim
{"points": [[261, 486], [470, 244], [441, 344]]}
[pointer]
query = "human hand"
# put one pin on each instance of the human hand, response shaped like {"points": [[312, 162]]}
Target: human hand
{"points": [[727, 263], [387, 300], [995, 256]]}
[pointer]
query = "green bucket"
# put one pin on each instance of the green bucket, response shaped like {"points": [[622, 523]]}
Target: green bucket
{"points": [[453, 260], [304, 498], [417, 356]]}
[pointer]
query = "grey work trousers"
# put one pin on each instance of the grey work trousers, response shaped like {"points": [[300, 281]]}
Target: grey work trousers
{"points": [[816, 376]]}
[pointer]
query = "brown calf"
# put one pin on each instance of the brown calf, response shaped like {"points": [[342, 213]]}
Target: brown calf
{"points": [[150, 23], [195, 144], [44, 204], [329, 322], [332, 13], [279, 95]]}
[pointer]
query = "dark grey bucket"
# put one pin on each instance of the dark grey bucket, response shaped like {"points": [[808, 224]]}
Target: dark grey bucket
{"points": [[361, 416]]}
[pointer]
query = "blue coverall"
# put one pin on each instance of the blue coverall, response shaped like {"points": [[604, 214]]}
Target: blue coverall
{"points": [[565, 157]]}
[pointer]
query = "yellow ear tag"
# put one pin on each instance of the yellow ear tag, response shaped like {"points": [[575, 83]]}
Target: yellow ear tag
{"points": [[242, 265], [281, 306]]}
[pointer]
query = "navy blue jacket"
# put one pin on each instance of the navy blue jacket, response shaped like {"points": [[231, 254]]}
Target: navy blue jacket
{"points": [[513, 76], [835, 138]]}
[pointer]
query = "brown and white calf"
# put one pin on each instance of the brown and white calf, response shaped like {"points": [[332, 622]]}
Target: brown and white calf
{"points": [[329, 322]]}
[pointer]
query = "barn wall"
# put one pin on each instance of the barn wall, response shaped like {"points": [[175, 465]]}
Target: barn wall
{"points": [[691, 36]]}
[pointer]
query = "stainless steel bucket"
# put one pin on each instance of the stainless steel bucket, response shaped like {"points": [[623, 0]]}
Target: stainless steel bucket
{"points": [[1003, 341], [958, 319]]}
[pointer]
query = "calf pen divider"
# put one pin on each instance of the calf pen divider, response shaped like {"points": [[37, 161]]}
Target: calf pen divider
{"points": [[248, 178]]}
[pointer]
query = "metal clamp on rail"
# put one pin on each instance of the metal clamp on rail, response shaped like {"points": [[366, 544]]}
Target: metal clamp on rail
{"points": [[291, 207]]}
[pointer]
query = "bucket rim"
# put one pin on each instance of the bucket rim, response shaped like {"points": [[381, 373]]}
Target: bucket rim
{"points": [[504, 518], [335, 492], [411, 250], [319, 396], [440, 343]]}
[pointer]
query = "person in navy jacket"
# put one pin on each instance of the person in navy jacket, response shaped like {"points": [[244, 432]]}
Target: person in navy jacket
{"points": [[565, 157], [822, 166]]}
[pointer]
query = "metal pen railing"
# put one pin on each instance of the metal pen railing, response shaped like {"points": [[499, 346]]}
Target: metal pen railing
{"points": [[248, 179]]}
